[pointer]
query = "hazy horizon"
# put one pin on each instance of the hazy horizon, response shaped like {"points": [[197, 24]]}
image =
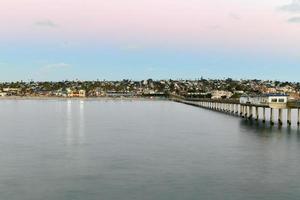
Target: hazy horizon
{"points": [[154, 79]]}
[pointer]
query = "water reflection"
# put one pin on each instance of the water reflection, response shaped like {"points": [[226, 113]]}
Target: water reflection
{"points": [[69, 123], [75, 123], [266, 130], [81, 134], [157, 149]]}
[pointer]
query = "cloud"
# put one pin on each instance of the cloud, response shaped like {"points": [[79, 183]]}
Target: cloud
{"points": [[46, 23], [294, 20], [56, 66], [234, 16], [293, 7]]}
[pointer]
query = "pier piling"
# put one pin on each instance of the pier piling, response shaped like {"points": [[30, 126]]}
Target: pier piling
{"points": [[241, 110], [289, 117], [246, 112], [280, 117], [250, 112], [271, 116], [257, 113], [298, 122], [264, 115]]}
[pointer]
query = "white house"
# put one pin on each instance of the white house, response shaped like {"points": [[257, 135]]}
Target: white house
{"points": [[219, 94], [3, 94]]}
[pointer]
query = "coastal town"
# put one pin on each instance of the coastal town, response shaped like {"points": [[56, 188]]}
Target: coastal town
{"points": [[201, 88]]}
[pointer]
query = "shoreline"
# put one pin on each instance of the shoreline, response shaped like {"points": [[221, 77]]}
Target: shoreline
{"points": [[82, 98]]}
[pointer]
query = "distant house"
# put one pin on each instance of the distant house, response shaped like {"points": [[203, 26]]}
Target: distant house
{"points": [[11, 91], [220, 94], [76, 93], [61, 93], [3, 94]]}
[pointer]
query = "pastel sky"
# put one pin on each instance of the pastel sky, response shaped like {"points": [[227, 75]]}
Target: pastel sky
{"points": [[138, 39]]}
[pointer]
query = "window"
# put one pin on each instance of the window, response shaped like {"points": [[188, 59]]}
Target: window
{"points": [[274, 100], [281, 100]]}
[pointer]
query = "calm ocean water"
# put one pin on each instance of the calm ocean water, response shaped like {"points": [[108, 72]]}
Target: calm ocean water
{"points": [[145, 150]]}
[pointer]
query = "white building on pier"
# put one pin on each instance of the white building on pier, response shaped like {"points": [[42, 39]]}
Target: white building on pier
{"points": [[271, 100]]}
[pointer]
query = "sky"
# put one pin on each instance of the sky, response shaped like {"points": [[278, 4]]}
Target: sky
{"points": [[52, 40]]}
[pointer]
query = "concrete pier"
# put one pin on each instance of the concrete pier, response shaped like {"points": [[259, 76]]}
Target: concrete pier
{"points": [[264, 115], [280, 117], [247, 110], [289, 117], [241, 110], [256, 113], [250, 113], [271, 116], [298, 121], [237, 109]]}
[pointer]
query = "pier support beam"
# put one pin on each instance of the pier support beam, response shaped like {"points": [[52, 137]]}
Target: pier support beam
{"points": [[257, 113], [271, 116], [246, 112], [280, 117], [264, 115], [237, 109], [241, 110], [289, 117], [298, 121], [250, 112]]}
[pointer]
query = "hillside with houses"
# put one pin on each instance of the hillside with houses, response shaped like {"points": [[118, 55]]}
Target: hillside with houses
{"points": [[201, 88]]}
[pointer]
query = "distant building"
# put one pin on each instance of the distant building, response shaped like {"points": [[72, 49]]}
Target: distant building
{"points": [[3, 94], [271, 90], [273, 100], [11, 91], [220, 94], [76, 93]]}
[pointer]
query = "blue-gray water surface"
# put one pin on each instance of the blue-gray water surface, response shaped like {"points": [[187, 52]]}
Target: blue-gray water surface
{"points": [[145, 150]]}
